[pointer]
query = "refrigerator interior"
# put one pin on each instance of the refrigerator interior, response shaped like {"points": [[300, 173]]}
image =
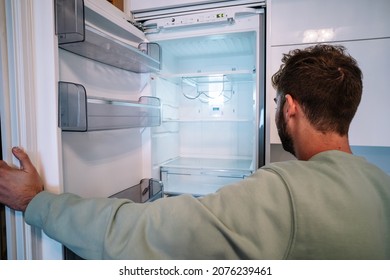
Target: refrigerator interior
{"points": [[208, 136], [208, 100]]}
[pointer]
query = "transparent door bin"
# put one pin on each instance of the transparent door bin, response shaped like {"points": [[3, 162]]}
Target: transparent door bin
{"points": [[78, 36], [146, 191], [78, 112]]}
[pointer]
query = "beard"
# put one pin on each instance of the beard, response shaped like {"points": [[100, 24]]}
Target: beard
{"points": [[285, 137]]}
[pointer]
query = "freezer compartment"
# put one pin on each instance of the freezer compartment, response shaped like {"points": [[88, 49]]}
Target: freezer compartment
{"points": [[78, 112], [201, 176], [84, 32]]}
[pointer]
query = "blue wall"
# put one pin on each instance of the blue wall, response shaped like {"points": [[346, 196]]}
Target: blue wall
{"points": [[380, 156]]}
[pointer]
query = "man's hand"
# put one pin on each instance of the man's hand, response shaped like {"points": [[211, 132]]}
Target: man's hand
{"points": [[19, 186]]}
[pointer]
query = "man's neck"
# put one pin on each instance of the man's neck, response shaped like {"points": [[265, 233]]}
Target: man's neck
{"points": [[316, 142]]}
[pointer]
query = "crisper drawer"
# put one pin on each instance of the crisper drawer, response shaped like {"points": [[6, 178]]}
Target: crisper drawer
{"points": [[198, 182]]}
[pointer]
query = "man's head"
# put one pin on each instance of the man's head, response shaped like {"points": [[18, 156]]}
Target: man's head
{"points": [[327, 84]]}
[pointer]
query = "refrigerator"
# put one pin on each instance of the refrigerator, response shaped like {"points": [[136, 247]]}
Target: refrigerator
{"points": [[188, 87], [173, 94]]}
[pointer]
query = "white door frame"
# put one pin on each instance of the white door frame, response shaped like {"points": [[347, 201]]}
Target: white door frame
{"points": [[29, 111]]}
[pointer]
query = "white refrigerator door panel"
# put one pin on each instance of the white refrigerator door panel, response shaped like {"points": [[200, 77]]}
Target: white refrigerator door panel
{"points": [[101, 163], [101, 80]]}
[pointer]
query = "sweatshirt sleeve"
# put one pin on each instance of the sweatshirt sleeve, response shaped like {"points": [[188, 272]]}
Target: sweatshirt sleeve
{"points": [[238, 222]]}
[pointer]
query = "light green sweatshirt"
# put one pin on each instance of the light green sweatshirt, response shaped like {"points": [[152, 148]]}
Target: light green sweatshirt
{"points": [[334, 206]]}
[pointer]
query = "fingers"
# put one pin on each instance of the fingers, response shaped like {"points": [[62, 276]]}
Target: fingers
{"points": [[3, 164], [23, 158], [19, 186]]}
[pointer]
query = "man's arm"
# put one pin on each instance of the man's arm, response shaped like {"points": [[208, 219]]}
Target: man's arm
{"points": [[238, 222]]}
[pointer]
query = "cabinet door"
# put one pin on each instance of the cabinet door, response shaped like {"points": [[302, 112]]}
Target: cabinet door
{"points": [[359, 25], [370, 126], [311, 21]]}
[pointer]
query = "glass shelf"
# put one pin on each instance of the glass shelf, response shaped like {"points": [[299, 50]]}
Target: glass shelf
{"points": [[234, 76], [220, 164], [206, 120], [201, 176]]}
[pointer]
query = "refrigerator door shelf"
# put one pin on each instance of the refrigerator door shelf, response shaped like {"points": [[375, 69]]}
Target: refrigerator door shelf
{"points": [[93, 36], [77, 112], [108, 50], [146, 191]]}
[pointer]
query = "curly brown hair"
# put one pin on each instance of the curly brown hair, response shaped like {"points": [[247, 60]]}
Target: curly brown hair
{"points": [[326, 81]]}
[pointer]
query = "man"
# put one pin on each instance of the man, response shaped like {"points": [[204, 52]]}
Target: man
{"points": [[328, 204]]}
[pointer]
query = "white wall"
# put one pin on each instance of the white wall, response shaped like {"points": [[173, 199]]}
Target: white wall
{"points": [[363, 27]]}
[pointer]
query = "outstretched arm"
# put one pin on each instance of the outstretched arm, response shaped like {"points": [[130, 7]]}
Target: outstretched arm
{"points": [[19, 186]]}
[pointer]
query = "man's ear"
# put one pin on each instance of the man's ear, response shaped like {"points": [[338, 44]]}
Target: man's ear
{"points": [[290, 106]]}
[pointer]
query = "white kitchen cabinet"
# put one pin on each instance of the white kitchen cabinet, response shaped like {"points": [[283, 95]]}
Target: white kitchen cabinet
{"points": [[311, 21], [366, 40], [370, 125]]}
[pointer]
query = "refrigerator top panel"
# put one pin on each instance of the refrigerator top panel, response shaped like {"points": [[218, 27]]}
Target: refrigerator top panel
{"points": [[231, 19], [217, 22], [144, 10], [226, 42]]}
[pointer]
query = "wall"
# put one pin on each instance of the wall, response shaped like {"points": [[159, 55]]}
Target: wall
{"points": [[361, 26], [377, 155]]}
